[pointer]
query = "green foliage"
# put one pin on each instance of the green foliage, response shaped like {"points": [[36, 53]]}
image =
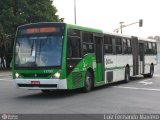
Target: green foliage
{"points": [[17, 12]]}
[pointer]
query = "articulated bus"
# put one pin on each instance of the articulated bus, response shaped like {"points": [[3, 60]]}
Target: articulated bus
{"points": [[49, 56]]}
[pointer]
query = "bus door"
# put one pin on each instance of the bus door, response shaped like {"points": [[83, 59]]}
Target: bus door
{"points": [[99, 57], [135, 53], [141, 55]]}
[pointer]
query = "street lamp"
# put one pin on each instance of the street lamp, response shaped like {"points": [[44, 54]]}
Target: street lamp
{"points": [[140, 22], [75, 11], [121, 26]]}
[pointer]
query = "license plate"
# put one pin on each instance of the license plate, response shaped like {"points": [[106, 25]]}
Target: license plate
{"points": [[35, 82]]}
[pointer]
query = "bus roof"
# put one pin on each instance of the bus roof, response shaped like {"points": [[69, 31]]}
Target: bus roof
{"points": [[129, 36], [116, 34], [145, 39], [84, 28], [88, 29]]}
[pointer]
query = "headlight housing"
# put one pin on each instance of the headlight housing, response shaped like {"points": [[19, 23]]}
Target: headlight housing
{"points": [[56, 75], [17, 75]]}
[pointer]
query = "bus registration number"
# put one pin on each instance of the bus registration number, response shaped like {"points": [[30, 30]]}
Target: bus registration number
{"points": [[35, 82]]}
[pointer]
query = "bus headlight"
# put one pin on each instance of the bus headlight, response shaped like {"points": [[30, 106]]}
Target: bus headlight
{"points": [[17, 75], [56, 75]]}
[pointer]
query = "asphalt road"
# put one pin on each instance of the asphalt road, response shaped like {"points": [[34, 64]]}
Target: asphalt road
{"points": [[138, 96]]}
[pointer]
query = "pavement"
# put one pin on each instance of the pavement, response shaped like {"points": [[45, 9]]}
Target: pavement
{"points": [[140, 95], [5, 73]]}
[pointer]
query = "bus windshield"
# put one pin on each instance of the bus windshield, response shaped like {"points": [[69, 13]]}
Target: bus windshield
{"points": [[42, 51]]}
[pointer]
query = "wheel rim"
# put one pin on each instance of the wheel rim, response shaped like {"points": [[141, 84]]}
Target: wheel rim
{"points": [[127, 77], [151, 72], [88, 82]]}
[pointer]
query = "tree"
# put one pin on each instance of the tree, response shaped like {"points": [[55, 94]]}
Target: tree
{"points": [[18, 12]]}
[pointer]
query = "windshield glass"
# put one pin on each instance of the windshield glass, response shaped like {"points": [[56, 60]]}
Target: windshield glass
{"points": [[41, 51]]}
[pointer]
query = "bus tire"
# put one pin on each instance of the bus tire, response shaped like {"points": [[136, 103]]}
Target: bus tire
{"points": [[88, 82], [127, 75], [150, 75]]}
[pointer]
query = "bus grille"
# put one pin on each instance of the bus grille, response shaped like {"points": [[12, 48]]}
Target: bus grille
{"points": [[35, 75], [77, 79], [41, 85]]}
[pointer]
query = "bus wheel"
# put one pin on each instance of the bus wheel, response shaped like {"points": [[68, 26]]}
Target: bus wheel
{"points": [[150, 75], [88, 82], [151, 71], [127, 75]]}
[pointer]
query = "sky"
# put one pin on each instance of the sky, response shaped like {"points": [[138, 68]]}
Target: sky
{"points": [[107, 15]]}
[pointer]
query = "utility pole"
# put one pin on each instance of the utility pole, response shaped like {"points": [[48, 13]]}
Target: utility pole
{"points": [[121, 26], [75, 20]]}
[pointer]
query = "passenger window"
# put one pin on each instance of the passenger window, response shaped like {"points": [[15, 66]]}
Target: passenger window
{"points": [[128, 42], [124, 45], [148, 48], [73, 32], [118, 46], [74, 50], [108, 45], [88, 45], [149, 45], [129, 46], [73, 44], [154, 48]]}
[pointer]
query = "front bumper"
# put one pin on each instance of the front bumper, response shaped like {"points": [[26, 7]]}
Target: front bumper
{"points": [[45, 84]]}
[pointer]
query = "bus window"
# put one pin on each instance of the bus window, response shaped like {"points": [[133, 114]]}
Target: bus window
{"points": [[74, 49], [73, 44], [145, 46], [154, 48], [149, 45], [107, 44], [128, 42], [148, 48], [88, 46], [129, 48], [124, 45], [118, 46], [73, 32], [87, 37], [69, 48]]}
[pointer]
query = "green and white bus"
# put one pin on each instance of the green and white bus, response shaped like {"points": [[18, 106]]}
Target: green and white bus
{"points": [[49, 56]]}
